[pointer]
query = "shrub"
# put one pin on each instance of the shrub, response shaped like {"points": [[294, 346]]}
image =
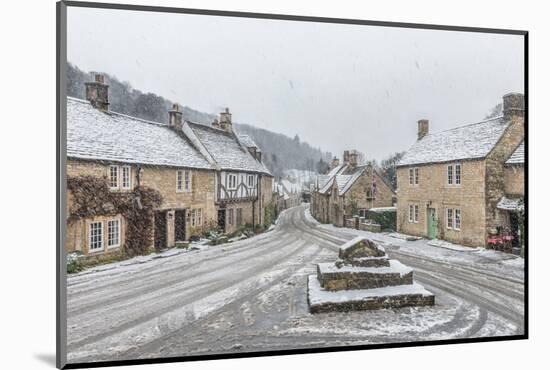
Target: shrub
{"points": [[386, 218]]}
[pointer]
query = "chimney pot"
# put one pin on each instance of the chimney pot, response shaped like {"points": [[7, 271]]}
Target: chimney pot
{"points": [[97, 93], [423, 128]]}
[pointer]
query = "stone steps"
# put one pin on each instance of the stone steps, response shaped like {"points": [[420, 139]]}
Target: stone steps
{"points": [[322, 300]]}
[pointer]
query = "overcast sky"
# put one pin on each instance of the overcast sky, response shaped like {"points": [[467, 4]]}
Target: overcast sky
{"points": [[336, 86]]}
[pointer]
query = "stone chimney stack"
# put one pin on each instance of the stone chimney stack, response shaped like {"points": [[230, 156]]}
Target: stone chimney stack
{"points": [[176, 117], [513, 106], [97, 93], [353, 158], [335, 163], [225, 121], [423, 128], [346, 156]]}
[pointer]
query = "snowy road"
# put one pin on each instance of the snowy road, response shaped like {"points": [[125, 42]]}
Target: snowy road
{"points": [[251, 296]]}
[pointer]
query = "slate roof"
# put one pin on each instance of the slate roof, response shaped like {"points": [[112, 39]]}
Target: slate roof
{"points": [[466, 142], [248, 142], [509, 204], [97, 135], [518, 156], [226, 149]]}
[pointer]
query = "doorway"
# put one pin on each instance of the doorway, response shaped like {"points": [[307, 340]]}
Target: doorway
{"points": [[221, 220], [432, 224], [160, 230], [179, 225]]}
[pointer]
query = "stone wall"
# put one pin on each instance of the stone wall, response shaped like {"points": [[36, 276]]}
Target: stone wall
{"points": [[514, 180], [495, 170], [433, 191], [162, 179]]}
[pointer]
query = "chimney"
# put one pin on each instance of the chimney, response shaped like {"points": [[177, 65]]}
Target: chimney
{"points": [[225, 121], [346, 156], [97, 93], [335, 163], [423, 128], [513, 106], [175, 117], [215, 123], [353, 158]]}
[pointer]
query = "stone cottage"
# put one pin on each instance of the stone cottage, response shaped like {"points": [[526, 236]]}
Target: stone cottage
{"points": [[242, 182], [449, 184], [349, 189], [194, 179]]}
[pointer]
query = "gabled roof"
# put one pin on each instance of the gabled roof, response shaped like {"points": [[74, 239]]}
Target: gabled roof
{"points": [[225, 149], [518, 156], [248, 142], [473, 141], [93, 134]]}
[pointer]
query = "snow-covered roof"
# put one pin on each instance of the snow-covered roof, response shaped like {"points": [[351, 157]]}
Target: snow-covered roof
{"points": [[510, 204], [518, 156], [466, 142], [93, 134], [226, 149], [247, 141]]}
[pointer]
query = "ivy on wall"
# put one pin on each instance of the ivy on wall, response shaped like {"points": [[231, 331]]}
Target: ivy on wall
{"points": [[92, 197]]}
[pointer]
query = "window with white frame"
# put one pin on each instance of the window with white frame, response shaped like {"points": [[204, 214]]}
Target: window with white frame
{"points": [[416, 212], [113, 177], [416, 176], [231, 181], [411, 176], [187, 180], [96, 236], [458, 219], [126, 177], [449, 174], [250, 181], [450, 218], [458, 174], [113, 233]]}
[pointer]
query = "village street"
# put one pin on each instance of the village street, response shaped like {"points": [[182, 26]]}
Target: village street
{"points": [[250, 296]]}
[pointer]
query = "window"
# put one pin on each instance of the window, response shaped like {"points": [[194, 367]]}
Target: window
{"points": [[449, 218], [250, 181], [458, 171], [416, 176], [231, 181], [183, 181], [416, 211], [187, 180], [449, 175], [126, 177], [113, 233], [411, 176], [114, 177], [96, 236], [230, 216], [457, 219], [239, 216]]}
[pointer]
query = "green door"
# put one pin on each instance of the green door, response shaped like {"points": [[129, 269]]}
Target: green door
{"points": [[432, 224]]}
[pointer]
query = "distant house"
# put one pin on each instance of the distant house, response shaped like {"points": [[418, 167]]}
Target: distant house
{"points": [[450, 183], [200, 172], [349, 190]]}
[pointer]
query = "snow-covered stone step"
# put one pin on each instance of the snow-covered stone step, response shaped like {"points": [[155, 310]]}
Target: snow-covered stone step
{"points": [[332, 277], [322, 300]]}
